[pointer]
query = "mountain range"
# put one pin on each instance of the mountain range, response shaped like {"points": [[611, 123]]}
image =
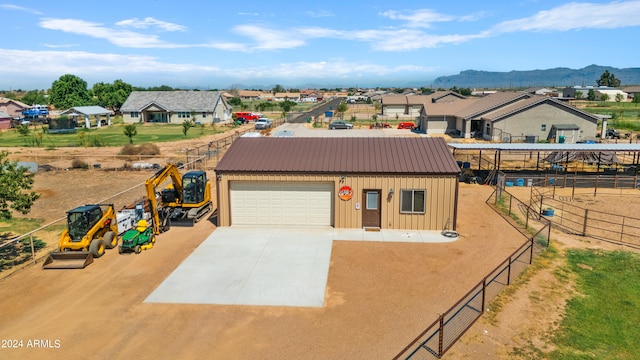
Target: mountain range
{"points": [[556, 77]]}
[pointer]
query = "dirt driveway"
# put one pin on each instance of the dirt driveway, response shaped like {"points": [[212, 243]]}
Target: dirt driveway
{"points": [[379, 297]]}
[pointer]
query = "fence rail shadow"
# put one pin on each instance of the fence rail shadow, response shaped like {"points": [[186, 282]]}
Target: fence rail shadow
{"points": [[442, 334]]}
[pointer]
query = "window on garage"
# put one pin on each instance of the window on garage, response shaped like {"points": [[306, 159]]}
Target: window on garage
{"points": [[413, 201]]}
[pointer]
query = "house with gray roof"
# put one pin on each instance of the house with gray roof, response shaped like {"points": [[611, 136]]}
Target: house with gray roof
{"points": [[174, 107], [509, 116], [409, 106]]}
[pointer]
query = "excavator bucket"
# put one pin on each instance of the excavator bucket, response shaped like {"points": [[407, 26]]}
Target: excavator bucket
{"points": [[68, 260]]}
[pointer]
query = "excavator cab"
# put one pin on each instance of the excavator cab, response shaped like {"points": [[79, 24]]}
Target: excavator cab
{"points": [[193, 186]]}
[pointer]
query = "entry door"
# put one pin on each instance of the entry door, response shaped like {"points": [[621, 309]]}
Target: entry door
{"points": [[371, 212]]}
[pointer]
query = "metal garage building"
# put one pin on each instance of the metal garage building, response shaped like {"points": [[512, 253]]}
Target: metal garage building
{"points": [[393, 183]]}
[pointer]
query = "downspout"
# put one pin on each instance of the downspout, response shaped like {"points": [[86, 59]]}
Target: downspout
{"points": [[455, 206]]}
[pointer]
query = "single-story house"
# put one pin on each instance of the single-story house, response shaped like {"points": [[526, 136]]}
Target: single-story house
{"points": [[5, 120], [386, 182], [250, 94], [12, 107], [632, 91], [174, 107], [411, 105], [286, 96], [599, 91], [509, 116], [82, 115]]}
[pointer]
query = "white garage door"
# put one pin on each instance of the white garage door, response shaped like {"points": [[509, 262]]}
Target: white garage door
{"points": [[281, 203]]}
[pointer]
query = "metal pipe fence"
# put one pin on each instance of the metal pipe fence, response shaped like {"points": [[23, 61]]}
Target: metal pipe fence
{"points": [[571, 218], [27, 249], [442, 334]]}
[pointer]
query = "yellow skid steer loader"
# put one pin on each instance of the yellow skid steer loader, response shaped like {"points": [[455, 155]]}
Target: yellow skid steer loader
{"points": [[90, 230]]}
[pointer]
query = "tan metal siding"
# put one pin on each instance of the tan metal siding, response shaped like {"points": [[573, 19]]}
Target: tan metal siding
{"points": [[440, 198]]}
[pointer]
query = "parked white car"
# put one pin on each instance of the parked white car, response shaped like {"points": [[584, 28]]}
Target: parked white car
{"points": [[263, 123]]}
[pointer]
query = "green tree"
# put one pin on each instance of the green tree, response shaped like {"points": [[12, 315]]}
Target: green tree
{"points": [[15, 183], [111, 96], [604, 97], [34, 97], [636, 99], [591, 95], [130, 130], [619, 98], [68, 91], [342, 108], [287, 105], [579, 95], [278, 89], [186, 125], [236, 101], [607, 79]]}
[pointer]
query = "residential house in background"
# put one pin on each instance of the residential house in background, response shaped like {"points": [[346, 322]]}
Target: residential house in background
{"points": [[12, 107], [250, 94], [174, 107], [509, 116], [287, 96], [632, 91], [411, 105], [570, 92], [5, 120]]}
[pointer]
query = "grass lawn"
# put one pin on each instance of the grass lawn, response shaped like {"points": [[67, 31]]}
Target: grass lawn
{"points": [[601, 322], [106, 136]]}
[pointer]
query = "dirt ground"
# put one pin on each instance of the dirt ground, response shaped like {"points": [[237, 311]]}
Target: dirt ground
{"points": [[379, 295]]}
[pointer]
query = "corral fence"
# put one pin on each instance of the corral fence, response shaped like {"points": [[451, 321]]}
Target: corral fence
{"points": [[18, 252], [442, 334], [578, 220]]}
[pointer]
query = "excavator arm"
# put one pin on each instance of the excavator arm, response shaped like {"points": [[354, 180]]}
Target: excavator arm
{"points": [[170, 171]]}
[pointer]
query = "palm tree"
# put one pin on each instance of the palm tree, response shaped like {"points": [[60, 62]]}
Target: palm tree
{"points": [[130, 131]]}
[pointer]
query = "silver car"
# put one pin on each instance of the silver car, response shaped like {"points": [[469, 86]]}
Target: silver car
{"points": [[339, 124], [263, 123]]}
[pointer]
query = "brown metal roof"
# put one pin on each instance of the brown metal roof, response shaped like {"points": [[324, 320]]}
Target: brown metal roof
{"points": [[379, 155]]}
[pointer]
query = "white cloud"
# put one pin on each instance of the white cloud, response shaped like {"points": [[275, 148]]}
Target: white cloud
{"points": [[20, 8], [269, 39], [122, 38], [150, 22], [574, 16], [417, 18], [324, 69], [321, 13], [106, 67], [56, 63]]}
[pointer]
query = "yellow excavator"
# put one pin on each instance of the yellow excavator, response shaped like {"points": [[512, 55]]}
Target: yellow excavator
{"points": [[184, 202], [90, 230]]}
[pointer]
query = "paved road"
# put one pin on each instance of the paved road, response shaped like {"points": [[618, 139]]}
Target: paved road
{"points": [[320, 110]]}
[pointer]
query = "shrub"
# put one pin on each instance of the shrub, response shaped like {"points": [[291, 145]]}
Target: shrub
{"points": [[79, 164], [144, 149]]}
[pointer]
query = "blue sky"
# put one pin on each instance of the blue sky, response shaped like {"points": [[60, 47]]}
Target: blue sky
{"points": [[216, 44]]}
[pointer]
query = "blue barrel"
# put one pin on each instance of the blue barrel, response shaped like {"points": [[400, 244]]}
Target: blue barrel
{"points": [[509, 183], [466, 165], [328, 113], [548, 212], [520, 182]]}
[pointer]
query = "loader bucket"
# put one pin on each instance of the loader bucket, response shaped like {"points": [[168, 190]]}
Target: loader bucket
{"points": [[68, 260]]}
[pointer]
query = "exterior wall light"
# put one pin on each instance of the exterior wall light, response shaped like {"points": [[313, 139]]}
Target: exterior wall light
{"points": [[391, 191]]}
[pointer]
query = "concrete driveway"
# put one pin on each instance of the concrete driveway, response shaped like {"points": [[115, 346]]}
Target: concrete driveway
{"points": [[273, 266]]}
